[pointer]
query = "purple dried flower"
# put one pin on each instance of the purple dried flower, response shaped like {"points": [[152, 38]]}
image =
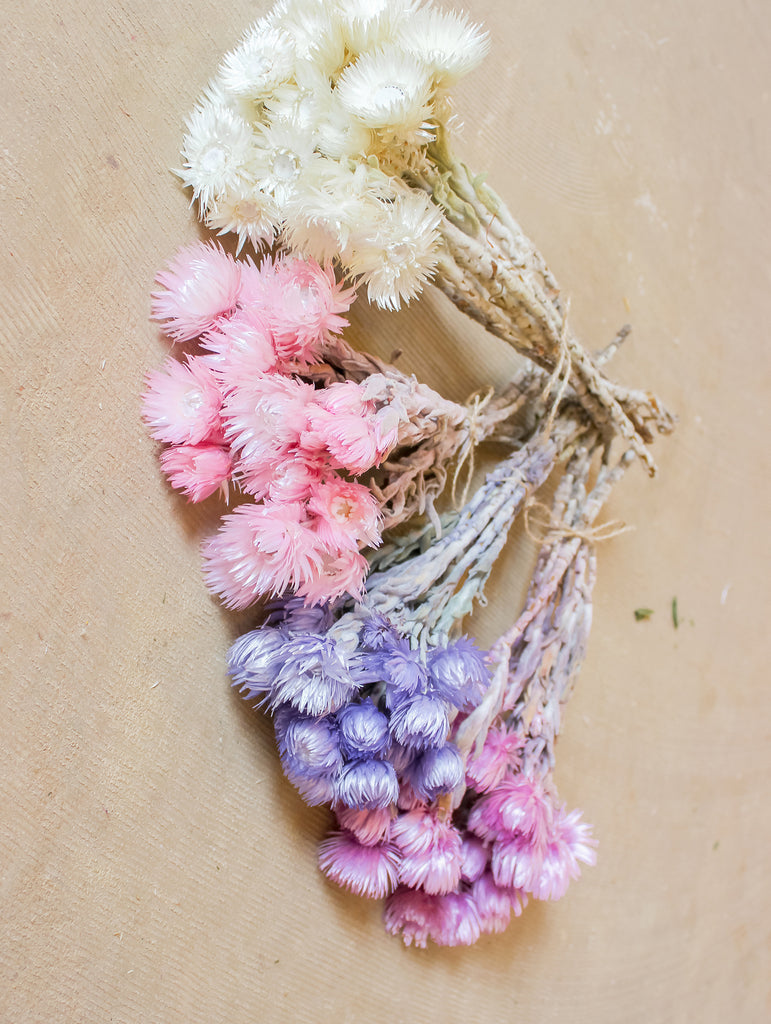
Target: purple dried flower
{"points": [[377, 632], [436, 771], [403, 669], [459, 673], [315, 791], [254, 660], [367, 785], [420, 721], [309, 747], [299, 617], [363, 731], [314, 676]]}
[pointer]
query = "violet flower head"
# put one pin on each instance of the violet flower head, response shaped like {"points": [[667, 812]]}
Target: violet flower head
{"points": [[367, 785], [363, 731], [458, 673], [314, 676], [403, 669], [438, 770], [308, 746], [419, 721], [254, 659], [377, 632]]}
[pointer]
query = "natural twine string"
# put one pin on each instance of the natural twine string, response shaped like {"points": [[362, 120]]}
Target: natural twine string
{"points": [[474, 434], [554, 531]]}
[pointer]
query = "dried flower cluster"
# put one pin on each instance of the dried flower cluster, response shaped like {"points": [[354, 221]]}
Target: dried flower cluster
{"points": [[325, 136]]}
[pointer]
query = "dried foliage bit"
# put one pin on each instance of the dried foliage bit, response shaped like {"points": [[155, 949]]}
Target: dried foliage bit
{"points": [[642, 614], [675, 614]]}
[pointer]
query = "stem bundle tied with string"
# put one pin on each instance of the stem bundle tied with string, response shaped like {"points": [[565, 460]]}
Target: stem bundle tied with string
{"points": [[326, 136]]}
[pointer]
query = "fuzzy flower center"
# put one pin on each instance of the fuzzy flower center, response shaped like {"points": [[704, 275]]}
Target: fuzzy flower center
{"points": [[389, 96], [341, 509], [285, 166], [214, 160], [192, 401]]}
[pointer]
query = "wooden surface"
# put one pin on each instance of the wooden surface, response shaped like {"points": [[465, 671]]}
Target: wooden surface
{"points": [[155, 865]]}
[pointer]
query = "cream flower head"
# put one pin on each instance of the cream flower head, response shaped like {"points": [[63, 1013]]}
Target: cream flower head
{"points": [[388, 90]]}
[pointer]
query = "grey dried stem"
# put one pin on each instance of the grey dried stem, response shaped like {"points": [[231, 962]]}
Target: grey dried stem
{"points": [[427, 593], [493, 272], [536, 663]]}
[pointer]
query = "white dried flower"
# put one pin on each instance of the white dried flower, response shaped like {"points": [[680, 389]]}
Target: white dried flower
{"points": [[264, 60], [390, 91], [285, 159], [340, 135], [302, 101], [315, 30], [217, 152], [367, 24], [345, 201], [446, 41], [397, 257], [248, 212]]}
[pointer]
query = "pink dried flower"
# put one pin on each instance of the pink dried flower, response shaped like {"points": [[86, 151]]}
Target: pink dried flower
{"points": [[182, 402], [569, 843], [417, 915], [517, 805], [303, 303], [459, 920], [197, 469], [347, 515], [264, 418], [517, 862], [500, 753], [369, 827], [343, 574], [431, 851], [260, 550], [201, 285], [293, 479], [350, 440], [369, 871], [242, 347], [496, 903], [475, 857]]}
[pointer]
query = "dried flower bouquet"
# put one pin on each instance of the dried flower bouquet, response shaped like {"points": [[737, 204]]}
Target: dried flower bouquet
{"points": [[325, 137]]}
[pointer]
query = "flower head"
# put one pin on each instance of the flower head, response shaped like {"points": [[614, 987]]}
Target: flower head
{"points": [[261, 550], [363, 731], [200, 286], [390, 91], [197, 469], [183, 401], [431, 851], [446, 42], [218, 152], [367, 785], [367, 870]]}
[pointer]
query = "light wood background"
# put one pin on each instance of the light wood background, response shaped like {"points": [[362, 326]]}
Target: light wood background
{"points": [[155, 865]]}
